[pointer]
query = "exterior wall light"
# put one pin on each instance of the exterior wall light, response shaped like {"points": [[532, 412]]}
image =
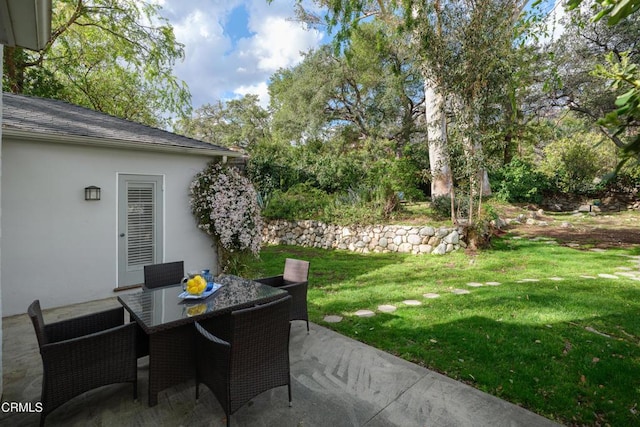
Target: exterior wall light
{"points": [[92, 193]]}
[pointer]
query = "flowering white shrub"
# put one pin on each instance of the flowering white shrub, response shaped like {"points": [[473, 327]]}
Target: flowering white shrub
{"points": [[225, 205]]}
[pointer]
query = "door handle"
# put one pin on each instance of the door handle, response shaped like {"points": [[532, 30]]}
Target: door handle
{"points": [[121, 234]]}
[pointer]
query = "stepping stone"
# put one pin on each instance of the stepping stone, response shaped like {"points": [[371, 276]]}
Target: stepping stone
{"points": [[412, 302], [624, 268], [573, 245], [460, 291], [589, 277], [494, 283], [387, 308], [365, 313], [556, 279], [630, 274], [528, 280], [333, 319], [431, 295], [516, 238], [597, 250], [474, 284], [608, 276]]}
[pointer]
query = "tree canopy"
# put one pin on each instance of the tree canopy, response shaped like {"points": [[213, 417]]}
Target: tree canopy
{"points": [[114, 56]]}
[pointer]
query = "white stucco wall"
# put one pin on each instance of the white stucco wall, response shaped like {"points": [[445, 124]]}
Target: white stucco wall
{"points": [[61, 249]]}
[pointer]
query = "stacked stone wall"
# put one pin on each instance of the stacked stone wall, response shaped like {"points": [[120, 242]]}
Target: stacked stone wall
{"points": [[364, 239]]}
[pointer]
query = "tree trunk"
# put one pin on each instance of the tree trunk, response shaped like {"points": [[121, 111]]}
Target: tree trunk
{"points": [[14, 74], [441, 177]]}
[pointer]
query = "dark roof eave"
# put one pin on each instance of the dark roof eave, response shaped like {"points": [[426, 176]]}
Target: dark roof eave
{"points": [[115, 143]]}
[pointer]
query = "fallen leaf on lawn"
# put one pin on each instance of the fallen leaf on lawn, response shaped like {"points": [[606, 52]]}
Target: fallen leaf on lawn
{"points": [[595, 359], [583, 379]]}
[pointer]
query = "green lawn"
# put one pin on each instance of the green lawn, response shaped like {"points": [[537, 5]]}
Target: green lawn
{"points": [[539, 344]]}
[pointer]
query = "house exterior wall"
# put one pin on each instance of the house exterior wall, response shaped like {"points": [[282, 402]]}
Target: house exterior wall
{"points": [[61, 249]]}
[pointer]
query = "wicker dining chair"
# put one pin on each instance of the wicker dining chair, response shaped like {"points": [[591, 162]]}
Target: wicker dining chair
{"points": [[294, 280], [157, 276], [248, 356], [83, 353], [165, 274]]}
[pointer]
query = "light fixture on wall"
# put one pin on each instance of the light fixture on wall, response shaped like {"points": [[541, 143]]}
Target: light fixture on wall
{"points": [[92, 193]]}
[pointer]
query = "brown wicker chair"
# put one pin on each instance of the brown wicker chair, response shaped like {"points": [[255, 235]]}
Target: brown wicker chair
{"points": [[249, 355], [165, 274], [157, 276], [83, 353], [295, 280]]}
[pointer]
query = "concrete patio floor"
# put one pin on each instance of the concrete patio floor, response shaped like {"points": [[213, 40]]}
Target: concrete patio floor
{"points": [[336, 382]]}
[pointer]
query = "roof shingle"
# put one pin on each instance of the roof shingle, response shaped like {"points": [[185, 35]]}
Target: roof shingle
{"points": [[60, 118]]}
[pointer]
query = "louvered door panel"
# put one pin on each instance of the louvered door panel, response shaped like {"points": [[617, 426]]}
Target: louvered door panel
{"points": [[140, 224]]}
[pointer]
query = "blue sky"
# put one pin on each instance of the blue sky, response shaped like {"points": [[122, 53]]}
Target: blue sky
{"points": [[233, 47]]}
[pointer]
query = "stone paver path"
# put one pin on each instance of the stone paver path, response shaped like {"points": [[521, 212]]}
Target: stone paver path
{"points": [[387, 308], [629, 274], [365, 313], [474, 284], [333, 319], [412, 302]]}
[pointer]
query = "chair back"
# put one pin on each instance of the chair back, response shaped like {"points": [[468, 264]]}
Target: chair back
{"points": [[168, 273], [296, 270], [260, 338], [35, 313]]}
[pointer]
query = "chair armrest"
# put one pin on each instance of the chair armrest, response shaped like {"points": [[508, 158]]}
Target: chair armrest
{"points": [[275, 281], [210, 337], [78, 355], [289, 285], [84, 325]]}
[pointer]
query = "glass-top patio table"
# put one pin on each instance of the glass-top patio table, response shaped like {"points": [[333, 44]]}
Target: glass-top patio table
{"points": [[167, 320]]}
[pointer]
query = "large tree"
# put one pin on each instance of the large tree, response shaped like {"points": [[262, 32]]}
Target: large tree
{"points": [[114, 56], [623, 73], [369, 94], [241, 123], [586, 46], [457, 44]]}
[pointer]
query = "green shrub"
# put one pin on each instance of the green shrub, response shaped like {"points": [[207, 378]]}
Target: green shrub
{"points": [[519, 182], [441, 206], [398, 176], [573, 164], [302, 201]]}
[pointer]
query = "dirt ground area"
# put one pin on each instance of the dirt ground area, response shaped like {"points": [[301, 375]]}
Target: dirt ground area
{"points": [[588, 229]]}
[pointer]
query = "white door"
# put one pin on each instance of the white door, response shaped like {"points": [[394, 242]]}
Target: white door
{"points": [[140, 202]]}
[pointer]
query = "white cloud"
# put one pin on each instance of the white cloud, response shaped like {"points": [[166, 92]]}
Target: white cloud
{"points": [[215, 67], [261, 89], [278, 43]]}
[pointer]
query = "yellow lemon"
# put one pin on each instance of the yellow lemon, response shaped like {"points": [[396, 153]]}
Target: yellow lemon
{"points": [[196, 309]]}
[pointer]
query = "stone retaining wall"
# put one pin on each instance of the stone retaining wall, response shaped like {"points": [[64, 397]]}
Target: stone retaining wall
{"points": [[364, 239]]}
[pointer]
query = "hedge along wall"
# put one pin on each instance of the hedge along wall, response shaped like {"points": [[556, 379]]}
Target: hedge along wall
{"points": [[364, 239]]}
